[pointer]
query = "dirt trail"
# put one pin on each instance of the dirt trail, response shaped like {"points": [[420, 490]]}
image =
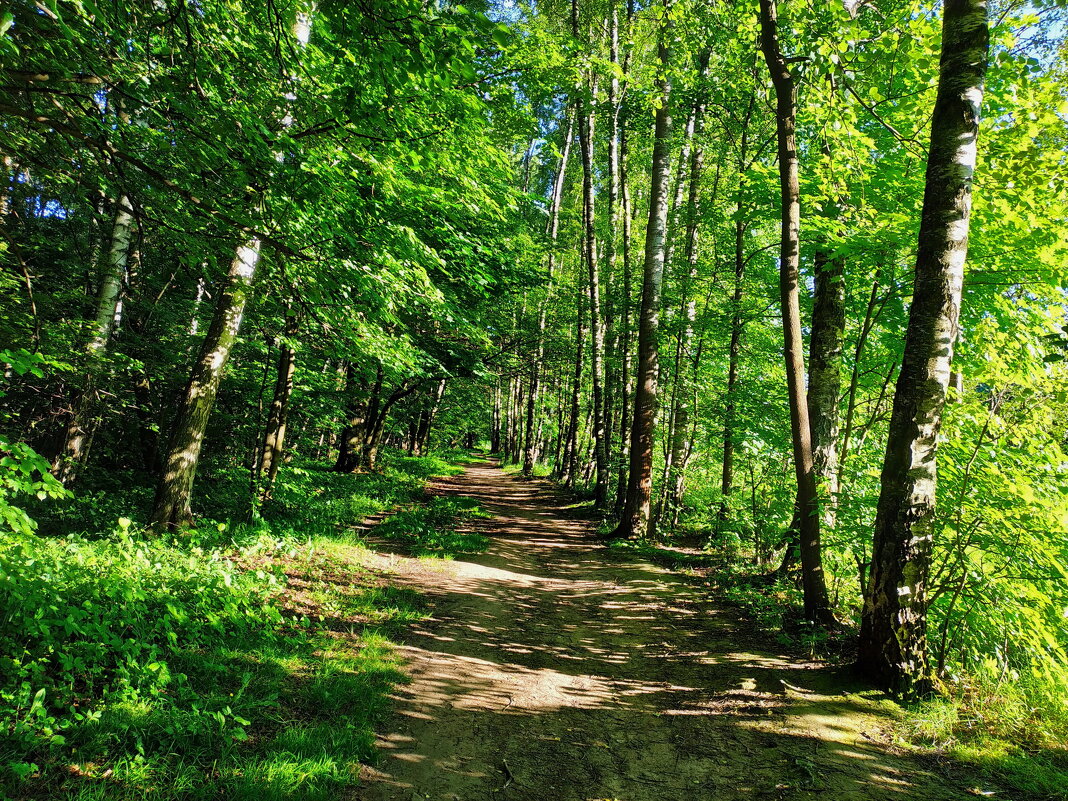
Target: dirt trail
{"points": [[556, 670]]}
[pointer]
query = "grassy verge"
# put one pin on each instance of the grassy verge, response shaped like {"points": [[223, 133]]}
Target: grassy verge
{"points": [[432, 529], [540, 470], [238, 661], [1015, 734]]}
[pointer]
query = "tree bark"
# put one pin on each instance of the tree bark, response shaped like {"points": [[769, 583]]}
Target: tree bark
{"points": [[871, 314], [825, 375], [817, 607], [495, 430], [553, 230], [681, 444], [635, 522], [171, 506], [733, 361], [84, 402], [600, 442], [613, 403], [426, 419], [350, 442], [626, 377], [278, 415], [735, 347], [893, 636], [376, 422], [571, 443]]}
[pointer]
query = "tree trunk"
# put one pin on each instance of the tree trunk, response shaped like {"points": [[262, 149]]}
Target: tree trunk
{"points": [[571, 443], [600, 442], [509, 421], [426, 419], [350, 441], [681, 444], [378, 413], [893, 636], [871, 314], [636, 516], [613, 403], [171, 506], [824, 386], [278, 416], [84, 402], [733, 357], [552, 229], [679, 188], [817, 607], [825, 375], [495, 430], [517, 444], [626, 377]]}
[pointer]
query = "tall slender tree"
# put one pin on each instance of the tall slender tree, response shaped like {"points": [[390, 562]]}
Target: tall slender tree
{"points": [[817, 607], [637, 513], [893, 637], [81, 424]]}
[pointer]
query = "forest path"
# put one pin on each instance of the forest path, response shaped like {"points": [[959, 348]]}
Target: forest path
{"points": [[553, 669]]}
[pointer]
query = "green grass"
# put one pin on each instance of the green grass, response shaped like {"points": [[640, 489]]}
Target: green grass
{"points": [[431, 529], [540, 470], [1015, 733], [241, 661]]}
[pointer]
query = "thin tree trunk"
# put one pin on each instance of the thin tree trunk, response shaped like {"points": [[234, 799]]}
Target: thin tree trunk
{"points": [[552, 229], [426, 420], [626, 377], [679, 189], [733, 357], [612, 335], [278, 416], [83, 404], [559, 455], [871, 314], [571, 444], [635, 522], [817, 607], [171, 507], [495, 430], [735, 347], [893, 638], [517, 445], [685, 379], [600, 442]]}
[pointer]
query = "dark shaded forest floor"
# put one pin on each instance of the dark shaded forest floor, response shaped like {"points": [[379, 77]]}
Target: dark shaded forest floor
{"points": [[552, 668]]}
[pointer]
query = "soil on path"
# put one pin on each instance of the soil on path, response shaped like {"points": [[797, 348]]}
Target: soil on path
{"points": [[553, 669]]}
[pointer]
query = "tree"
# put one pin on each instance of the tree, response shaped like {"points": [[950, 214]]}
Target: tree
{"points": [[893, 638], [817, 607], [635, 520]]}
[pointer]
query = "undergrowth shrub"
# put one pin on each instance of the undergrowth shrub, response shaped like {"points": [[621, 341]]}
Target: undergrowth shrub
{"points": [[1010, 724], [84, 621], [176, 666]]}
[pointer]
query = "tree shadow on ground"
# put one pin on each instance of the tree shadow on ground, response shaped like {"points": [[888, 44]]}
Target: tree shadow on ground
{"points": [[554, 669]]}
